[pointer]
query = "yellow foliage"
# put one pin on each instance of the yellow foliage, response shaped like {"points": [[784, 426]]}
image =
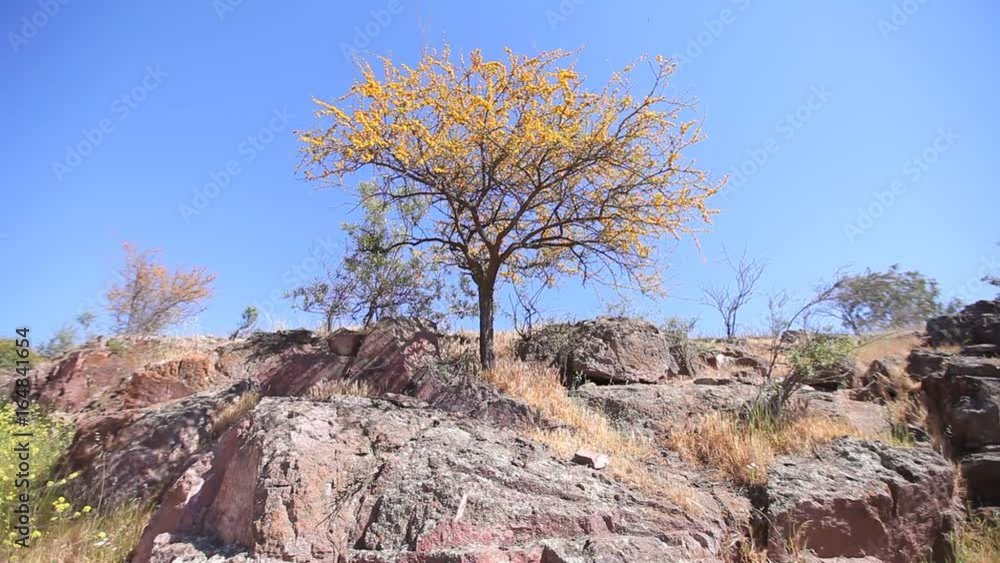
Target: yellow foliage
{"points": [[50, 436], [515, 165], [148, 297]]}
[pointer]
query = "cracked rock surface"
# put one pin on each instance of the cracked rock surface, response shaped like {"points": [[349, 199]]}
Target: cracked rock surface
{"points": [[361, 480], [858, 499]]}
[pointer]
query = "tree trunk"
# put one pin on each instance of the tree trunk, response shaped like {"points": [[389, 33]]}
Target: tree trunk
{"points": [[486, 324]]}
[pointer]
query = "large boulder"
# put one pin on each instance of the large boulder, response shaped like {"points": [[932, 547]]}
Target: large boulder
{"points": [[963, 394], [978, 323], [653, 409], [604, 350], [732, 357], [361, 480], [857, 499], [135, 454]]}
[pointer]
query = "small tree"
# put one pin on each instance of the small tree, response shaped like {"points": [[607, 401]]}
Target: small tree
{"points": [[149, 298], [509, 170], [728, 299], [85, 320], [247, 322], [61, 342], [782, 317], [886, 300], [993, 278], [376, 278]]}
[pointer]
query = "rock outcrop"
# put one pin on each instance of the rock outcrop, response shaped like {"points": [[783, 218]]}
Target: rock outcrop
{"points": [[134, 435], [858, 499], [604, 350], [963, 394], [135, 454], [363, 480], [654, 409], [978, 323]]}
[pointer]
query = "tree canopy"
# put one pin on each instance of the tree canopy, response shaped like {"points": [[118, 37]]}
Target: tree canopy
{"points": [[149, 298], [375, 279], [886, 300], [511, 169]]}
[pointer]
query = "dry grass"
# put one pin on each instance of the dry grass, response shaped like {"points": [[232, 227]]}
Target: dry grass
{"points": [[234, 411], [465, 343], [324, 391], [633, 458], [977, 541], [743, 452], [889, 346], [94, 538]]}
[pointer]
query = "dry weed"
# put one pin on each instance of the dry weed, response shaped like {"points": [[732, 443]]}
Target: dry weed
{"points": [[634, 458], [744, 451], [234, 411], [324, 391]]}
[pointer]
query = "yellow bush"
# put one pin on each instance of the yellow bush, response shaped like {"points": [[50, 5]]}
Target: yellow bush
{"points": [[61, 529], [50, 436]]}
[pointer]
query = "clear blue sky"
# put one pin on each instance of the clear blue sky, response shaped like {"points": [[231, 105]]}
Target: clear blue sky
{"points": [[200, 78]]}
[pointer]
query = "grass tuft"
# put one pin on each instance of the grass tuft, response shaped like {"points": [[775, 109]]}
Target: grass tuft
{"points": [[324, 391], [977, 541], [634, 458], [233, 412], [743, 450]]}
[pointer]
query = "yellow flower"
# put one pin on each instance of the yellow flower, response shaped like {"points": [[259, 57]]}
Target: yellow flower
{"points": [[87, 509], [102, 535]]}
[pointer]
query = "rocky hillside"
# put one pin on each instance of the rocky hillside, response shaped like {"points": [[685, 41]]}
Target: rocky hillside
{"points": [[385, 446]]}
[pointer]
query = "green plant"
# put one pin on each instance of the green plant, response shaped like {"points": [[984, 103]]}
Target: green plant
{"points": [[377, 277], [50, 437], [62, 341], [117, 346], [85, 320], [818, 353], [977, 540], [247, 322]]}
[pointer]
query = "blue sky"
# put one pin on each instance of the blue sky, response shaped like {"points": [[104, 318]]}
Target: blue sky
{"points": [[118, 112]]}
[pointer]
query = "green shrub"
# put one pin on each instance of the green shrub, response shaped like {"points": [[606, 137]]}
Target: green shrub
{"points": [[819, 353], [977, 541], [51, 437], [118, 347]]}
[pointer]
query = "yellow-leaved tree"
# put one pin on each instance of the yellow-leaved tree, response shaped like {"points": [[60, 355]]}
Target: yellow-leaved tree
{"points": [[148, 298], [512, 170]]}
